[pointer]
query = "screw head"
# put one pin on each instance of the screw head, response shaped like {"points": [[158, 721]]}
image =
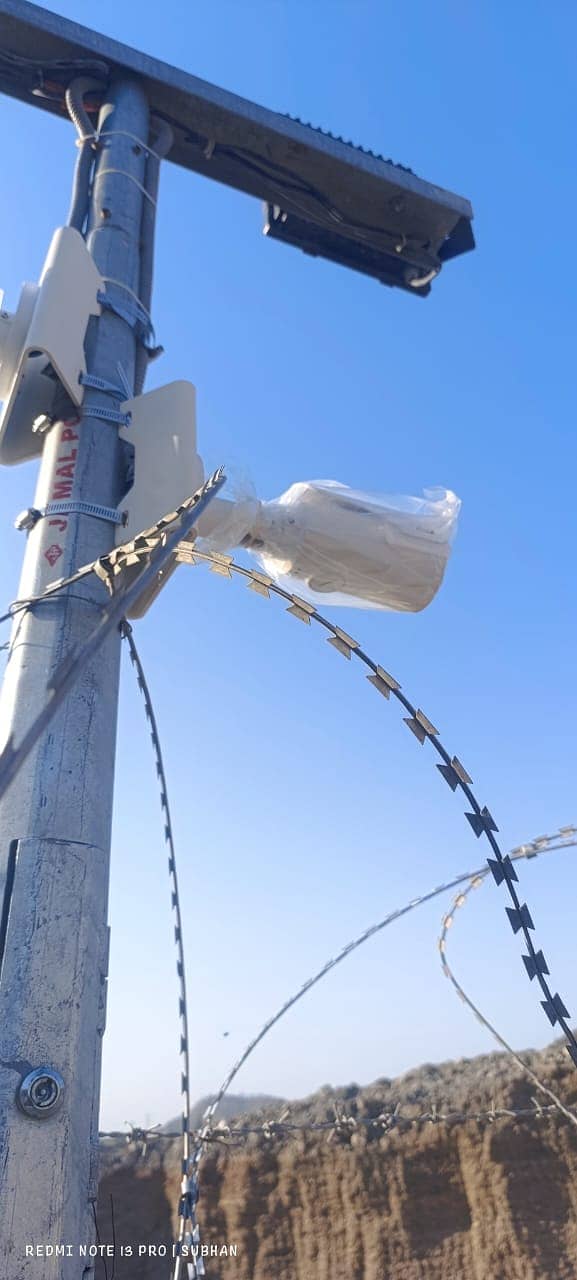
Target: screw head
{"points": [[27, 519], [41, 1093], [42, 423]]}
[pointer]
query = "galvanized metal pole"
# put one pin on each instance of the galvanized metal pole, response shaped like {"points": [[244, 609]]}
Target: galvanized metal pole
{"points": [[55, 821]]}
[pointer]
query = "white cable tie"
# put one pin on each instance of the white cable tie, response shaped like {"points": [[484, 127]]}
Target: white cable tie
{"points": [[124, 173], [124, 380], [124, 133], [139, 316], [86, 137], [120, 285]]}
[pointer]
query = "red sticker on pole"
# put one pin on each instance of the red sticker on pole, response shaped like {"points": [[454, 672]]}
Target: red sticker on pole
{"points": [[53, 553]]}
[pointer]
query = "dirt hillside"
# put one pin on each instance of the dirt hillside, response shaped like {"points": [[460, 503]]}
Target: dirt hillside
{"points": [[475, 1199]]}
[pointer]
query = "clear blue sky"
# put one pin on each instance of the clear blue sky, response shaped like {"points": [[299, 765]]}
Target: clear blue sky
{"points": [[303, 808]]}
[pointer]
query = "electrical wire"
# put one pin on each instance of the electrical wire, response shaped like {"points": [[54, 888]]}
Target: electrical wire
{"points": [[290, 182], [163, 138], [87, 65], [74, 98], [361, 230]]}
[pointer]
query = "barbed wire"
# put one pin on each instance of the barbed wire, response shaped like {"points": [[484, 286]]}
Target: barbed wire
{"points": [[188, 1232], [155, 547], [455, 775], [543, 844], [204, 1136], [343, 1124], [473, 877], [387, 1119], [480, 819]]}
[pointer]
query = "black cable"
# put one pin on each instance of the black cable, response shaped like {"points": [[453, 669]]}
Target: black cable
{"points": [[66, 65], [313, 193], [98, 1239], [112, 1220]]}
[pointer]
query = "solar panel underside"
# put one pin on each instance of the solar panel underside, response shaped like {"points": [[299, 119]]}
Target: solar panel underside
{"points": [[321, 194]]}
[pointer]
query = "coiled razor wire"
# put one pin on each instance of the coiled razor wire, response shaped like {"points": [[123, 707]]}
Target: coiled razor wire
{"points": [[481, 821], [565, 837], [188, 1229], [455, 775], [209, 1133], [164, 541], [475, 880], [188, 1233], [342, 1126]]}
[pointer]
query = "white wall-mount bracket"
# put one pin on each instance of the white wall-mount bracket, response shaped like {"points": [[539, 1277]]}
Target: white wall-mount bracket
{"points": [[167, 468], [47, 331]]}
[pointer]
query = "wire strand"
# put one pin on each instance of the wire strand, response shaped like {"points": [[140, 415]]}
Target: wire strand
{"points": [[480, 819], [185, 1219]]}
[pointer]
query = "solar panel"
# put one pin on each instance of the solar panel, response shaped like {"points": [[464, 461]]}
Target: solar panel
{"points": [[321, 194]]}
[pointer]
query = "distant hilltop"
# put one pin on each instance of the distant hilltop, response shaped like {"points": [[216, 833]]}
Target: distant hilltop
{"points": [[232, 1105]]}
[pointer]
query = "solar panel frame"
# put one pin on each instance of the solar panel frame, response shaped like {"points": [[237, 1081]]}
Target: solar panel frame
{"points": [[322, 182]]}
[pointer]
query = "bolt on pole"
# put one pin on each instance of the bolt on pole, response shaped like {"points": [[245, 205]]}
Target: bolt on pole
{"points": [[55, 820]]}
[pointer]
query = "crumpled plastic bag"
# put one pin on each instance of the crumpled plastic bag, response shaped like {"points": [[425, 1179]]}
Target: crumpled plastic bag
{"points": [[338, 546]]}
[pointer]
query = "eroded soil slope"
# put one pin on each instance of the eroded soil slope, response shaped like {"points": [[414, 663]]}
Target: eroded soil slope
{"points": [[477, 1199]]}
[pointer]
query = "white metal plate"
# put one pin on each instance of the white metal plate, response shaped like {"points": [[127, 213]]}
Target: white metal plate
{"points": [[62, 306], [167, 469], [69, 284]]}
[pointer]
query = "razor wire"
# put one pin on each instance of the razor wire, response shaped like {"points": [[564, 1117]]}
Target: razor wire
{"points": [[455, 775], [227, 1135], [452, 770], [188, 1232], [159, 544], [473, 878], [543, 844], [565, 838]]}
